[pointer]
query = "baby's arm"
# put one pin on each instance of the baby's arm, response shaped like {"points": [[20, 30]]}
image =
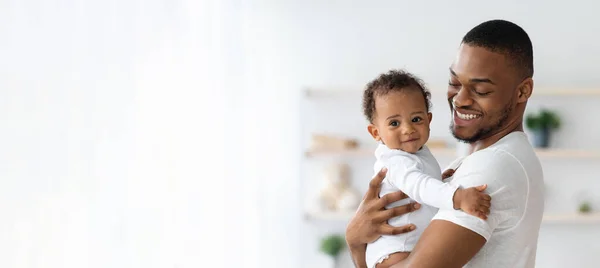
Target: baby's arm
{"points": [[407, 174]]}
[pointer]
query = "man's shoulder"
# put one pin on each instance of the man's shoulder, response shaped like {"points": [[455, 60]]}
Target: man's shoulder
{"points": [[512, 152], [510, 168], [491, 161], [502, 167]]}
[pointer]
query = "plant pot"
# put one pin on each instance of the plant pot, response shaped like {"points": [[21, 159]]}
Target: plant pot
{"points": [[541, 138]]}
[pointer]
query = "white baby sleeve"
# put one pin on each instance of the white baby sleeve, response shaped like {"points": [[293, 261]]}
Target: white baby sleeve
{"points": [[406, 173]]}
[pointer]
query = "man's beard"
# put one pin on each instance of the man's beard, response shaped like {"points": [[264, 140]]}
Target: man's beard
{"points": [[486, 131]]}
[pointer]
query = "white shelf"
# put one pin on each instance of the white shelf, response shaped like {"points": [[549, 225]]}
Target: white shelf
{"points": [[573, 218], [353, 91], [438, 152]]}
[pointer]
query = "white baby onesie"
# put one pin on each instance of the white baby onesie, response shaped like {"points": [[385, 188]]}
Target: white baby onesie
{"points": [[419, 176]]}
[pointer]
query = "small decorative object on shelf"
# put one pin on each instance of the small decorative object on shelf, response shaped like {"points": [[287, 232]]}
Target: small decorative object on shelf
{"points": [[332, 245], [327, 142], [542, 125], [338, 194]]}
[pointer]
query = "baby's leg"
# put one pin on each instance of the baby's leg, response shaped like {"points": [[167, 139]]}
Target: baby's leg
{"points": [[393, 259]]}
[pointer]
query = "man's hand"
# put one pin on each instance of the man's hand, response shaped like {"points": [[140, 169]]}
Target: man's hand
{"points": [[370, 220]]}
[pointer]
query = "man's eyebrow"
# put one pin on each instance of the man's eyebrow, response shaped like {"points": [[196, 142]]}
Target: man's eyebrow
{"points": [[452, 72], [475, 80], [481, 80]]}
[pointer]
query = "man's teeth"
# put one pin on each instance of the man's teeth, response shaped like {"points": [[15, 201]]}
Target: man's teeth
{"points": [[466, 116]]}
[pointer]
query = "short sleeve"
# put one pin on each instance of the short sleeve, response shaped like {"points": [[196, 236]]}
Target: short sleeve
{"points": [[503, 174]]}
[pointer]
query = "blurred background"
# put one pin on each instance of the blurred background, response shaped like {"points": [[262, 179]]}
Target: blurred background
{"points": [[229, 133]]}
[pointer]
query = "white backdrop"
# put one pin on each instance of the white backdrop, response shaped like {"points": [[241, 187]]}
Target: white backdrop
{"points": [[125, 125]]}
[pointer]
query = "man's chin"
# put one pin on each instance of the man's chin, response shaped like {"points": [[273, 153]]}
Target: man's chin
{"points": [[461, 136]]}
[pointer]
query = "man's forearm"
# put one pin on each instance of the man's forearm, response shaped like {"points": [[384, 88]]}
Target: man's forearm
{"points": [[358, 255]]}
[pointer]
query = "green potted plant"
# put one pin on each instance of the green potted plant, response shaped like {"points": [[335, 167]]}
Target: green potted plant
{"points": [[542, 124], [585, 207], [332, 245]]}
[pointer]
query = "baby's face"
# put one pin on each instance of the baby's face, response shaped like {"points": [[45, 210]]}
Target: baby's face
{"points": [[401, 120]]}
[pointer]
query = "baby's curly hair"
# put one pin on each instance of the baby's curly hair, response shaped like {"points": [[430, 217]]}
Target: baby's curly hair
{"points": [[392, 81]]}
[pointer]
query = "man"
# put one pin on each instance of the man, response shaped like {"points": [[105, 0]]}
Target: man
{"points": [[490, 83]]}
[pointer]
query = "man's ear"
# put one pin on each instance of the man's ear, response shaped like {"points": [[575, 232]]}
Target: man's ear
{"points": [[524, 90], [374, 132]]}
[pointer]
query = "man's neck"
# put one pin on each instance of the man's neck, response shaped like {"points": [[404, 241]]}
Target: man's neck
{"points": [[488, 141]]}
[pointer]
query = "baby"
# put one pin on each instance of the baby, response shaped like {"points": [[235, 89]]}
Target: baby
{"points": [[397, 107]]}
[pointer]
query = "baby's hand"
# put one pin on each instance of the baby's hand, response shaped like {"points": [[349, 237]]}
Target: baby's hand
{"points": [[447, 173], [473, 201]]}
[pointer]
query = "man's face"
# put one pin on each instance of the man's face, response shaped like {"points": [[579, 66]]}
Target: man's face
{"points": [[482, 93]]}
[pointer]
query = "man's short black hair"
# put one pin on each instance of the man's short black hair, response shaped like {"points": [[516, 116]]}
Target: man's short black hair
{"points": [[392, 81], [506, 38]]}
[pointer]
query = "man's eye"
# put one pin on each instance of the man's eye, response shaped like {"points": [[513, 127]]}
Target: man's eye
{"points": [[417, 119], [394, 123]]}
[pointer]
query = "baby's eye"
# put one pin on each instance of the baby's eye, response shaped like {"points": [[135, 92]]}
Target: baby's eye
{"points": [[417, 119], [394, 123]]}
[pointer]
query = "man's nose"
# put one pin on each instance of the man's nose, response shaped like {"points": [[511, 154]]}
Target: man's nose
{"points": [[462, 98]]}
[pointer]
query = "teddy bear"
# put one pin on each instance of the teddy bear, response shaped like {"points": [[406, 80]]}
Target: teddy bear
{"points": [[338, 194]]}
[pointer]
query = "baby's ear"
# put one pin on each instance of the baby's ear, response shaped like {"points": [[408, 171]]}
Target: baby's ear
{"points": [[374, 132]]}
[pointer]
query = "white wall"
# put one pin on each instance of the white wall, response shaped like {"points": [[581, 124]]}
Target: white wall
{"points": [[116, 120], [338, 43]]}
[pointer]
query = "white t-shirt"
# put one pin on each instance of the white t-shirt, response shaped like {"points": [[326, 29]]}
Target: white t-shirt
{"points": [[514, 176], [418, 175]]}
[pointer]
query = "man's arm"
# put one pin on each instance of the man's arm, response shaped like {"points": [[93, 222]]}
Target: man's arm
{"points": [[444, 244]]}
